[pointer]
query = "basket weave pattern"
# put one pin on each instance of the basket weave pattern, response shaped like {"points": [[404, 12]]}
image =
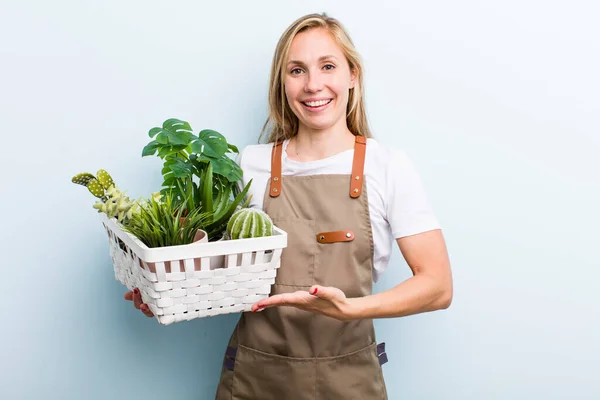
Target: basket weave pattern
{"points": [[197, 280]]}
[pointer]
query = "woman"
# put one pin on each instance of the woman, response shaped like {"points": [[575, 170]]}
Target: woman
{"points": [[342, 198]]}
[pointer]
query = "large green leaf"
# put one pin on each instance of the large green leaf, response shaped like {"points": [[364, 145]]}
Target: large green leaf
{"points": [[230, 169], [150, 148], [210, 143], [223, 166], [233, 148], [164, 151], [174, 131], [180, 168], [167, 151], [228, 211], [223, 197], [206, 190]]}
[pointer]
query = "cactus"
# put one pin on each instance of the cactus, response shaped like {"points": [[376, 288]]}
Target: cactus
{"points": [[83, 178], [117, 205], [249, 223], [105, 179], [112, 201], [95, 188]]}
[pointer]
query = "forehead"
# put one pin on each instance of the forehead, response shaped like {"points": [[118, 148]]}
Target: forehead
{"points": [[310, 45]]}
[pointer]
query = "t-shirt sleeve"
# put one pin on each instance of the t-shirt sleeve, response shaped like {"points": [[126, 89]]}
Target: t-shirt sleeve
{"points": [[408, 210]]}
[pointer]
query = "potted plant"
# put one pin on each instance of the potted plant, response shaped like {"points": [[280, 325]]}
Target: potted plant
{"points": [[147, 237], [198, 172]]}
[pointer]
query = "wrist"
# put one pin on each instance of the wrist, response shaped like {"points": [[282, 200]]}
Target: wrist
{"points": [[355, 309]]}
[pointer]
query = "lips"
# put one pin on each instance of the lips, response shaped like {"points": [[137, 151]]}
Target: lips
{"points": [[317, 103]]}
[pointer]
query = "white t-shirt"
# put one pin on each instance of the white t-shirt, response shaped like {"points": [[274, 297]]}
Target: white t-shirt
{"points": [[398, 204]]}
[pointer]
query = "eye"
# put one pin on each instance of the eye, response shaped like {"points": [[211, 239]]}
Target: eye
{"points": [[296, 71], [328, 67]]}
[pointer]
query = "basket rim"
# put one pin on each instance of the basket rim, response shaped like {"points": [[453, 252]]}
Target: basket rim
{"points": [[195, 250]]}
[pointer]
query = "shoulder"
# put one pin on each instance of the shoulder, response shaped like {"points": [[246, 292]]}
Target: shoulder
{"points": [[256, 157], [381, 158]]}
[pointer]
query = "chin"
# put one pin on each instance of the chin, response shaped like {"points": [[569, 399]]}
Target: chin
{"points": [[319, 123]]}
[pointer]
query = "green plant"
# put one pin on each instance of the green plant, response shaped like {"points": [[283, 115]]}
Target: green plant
{"points": [[249, 223], [160, 223], [112, 201], [198, 172]]}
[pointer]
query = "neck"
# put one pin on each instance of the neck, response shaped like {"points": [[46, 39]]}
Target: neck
{"points": [[311, 144]]}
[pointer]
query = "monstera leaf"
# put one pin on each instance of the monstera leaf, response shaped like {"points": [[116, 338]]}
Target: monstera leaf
{"points": [[210, 143]]}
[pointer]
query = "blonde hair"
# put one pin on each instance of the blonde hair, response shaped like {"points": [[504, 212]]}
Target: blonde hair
{"points": [[282, 123]]}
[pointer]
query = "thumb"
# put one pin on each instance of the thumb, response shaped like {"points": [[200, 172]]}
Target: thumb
{"points": [[323, 292]]}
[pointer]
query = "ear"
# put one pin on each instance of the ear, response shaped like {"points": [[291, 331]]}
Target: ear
{"points": [[353, 78]]}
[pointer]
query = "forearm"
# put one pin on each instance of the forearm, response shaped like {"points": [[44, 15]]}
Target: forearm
{"points": [[419, 294]]}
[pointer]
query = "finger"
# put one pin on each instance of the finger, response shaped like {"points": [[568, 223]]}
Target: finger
{"points": [[324, 292], [285, 299], [137, 298], [128, 296], [146, 310], [268, 302]]}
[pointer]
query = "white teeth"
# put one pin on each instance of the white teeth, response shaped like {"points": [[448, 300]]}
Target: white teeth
{"points": [[316, 103]]}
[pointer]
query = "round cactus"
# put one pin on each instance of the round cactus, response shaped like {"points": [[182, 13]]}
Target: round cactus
{"points": [[249, 223]]}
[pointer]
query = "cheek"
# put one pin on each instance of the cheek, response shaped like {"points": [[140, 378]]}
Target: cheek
{"points": [[340, 85], [291, 88]]}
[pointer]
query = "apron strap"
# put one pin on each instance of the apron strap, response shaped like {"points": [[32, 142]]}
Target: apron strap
{"points": [[276, 169], [358, 166]]}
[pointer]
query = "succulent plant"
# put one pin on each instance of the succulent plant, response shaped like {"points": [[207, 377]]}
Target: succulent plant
{"points": [[112, 201], [83, 178], [249, 223], [117, 205], [105, 179]]}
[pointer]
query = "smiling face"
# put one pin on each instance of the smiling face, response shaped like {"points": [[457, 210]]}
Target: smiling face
{"points": [[317, 81]]}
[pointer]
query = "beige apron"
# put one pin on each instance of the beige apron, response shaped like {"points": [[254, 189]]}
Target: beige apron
{"points": [[284, 353]]}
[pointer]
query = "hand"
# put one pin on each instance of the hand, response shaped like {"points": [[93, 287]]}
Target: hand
{"points": [[136, 297], [325, 300]]}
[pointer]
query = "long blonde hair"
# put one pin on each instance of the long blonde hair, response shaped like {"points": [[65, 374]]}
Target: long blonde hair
{"points": [[282, 123]]}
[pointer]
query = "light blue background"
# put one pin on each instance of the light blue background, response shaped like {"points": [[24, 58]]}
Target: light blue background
{"points": [[496, 103]]}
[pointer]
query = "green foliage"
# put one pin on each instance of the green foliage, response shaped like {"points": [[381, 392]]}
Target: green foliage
{"points": [[197, 171], [159, 223], [112, 201]]}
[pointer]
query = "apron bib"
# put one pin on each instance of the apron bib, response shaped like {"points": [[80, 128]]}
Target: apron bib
{"points": [[283, 353]]}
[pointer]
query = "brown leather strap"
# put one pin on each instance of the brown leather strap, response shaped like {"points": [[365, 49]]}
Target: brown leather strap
{"points": [[335, 237], [276, 170], [358, 166]]}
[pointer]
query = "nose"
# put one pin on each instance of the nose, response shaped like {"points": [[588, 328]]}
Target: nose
{"points": [[313, 83]]}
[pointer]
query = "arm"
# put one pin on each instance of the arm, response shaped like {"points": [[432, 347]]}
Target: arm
{"points": [[429, 289]]}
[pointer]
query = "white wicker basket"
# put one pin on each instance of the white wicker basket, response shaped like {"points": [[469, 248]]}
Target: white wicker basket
{"points": [[209, 279]]}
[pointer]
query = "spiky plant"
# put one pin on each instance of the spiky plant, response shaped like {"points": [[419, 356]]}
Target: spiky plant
{"points": [[159, 223], [249, 223]]}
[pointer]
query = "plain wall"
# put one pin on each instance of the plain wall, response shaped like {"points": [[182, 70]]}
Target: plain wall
{"points": [[496, 103]]}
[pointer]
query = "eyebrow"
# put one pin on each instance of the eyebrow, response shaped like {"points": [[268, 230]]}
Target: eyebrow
{"points": [[320, 59]]}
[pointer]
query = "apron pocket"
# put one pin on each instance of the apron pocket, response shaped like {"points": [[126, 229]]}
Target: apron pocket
{"points": [[298, 258], [353, 376], [263, 376]]}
